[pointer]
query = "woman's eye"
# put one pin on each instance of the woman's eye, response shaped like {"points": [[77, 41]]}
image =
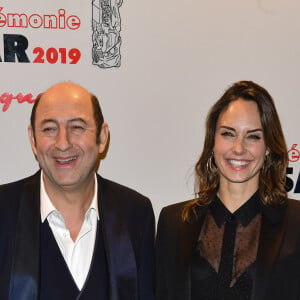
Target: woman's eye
{"points": [[227, 133], [254, 137]]}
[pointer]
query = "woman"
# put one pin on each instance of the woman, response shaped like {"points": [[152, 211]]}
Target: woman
{"points": [[240, 239]]}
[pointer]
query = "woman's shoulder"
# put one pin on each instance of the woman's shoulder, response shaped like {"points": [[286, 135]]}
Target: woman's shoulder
{"points": [[293, 206], [175, 207], [169, 221], [174, 212], [292, 217], [293, 202]]}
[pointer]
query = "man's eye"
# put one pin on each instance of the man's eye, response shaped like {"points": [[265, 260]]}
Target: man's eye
{"points": [[77, 129], [50, 131]]}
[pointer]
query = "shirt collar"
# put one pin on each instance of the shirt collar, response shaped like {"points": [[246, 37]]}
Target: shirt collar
{"points": [[47, 206], [244, 214]]}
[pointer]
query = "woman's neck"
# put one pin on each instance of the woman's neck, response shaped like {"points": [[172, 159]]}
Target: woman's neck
{"points": [[234, 195]]}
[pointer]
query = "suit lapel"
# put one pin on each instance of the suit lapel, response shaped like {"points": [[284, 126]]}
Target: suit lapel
{"points": [[186, 244], [273, 228], [25, 269], [119, 252]]}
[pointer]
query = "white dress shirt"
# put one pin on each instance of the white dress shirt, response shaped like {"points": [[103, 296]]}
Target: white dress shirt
{"points": [[78, 255]]}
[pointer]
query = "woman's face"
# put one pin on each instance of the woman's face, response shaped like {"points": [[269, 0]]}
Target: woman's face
{"points": [[239, 148]]}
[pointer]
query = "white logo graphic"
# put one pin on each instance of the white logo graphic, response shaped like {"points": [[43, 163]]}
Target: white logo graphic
{"points": [[106, 37]]}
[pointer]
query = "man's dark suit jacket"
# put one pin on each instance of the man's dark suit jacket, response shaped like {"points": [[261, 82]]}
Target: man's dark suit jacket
{"points": [[128, 231], [277, 275]]}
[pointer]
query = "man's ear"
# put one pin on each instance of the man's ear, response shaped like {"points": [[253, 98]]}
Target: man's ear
{"points": [[32, 139], [103, 137]]}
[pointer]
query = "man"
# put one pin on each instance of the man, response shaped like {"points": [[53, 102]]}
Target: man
{"points": [[67, 233]]}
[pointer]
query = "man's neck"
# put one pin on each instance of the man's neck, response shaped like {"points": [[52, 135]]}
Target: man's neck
{"points": [[72, 203]]}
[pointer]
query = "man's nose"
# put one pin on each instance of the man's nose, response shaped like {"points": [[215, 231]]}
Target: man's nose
{"points": [[63, 140]]}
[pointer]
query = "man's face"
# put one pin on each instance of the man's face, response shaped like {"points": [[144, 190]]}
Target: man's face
{"points": [[65, 137]]}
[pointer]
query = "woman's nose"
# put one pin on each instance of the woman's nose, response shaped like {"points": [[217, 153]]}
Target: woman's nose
{"points": [[238, 146]]}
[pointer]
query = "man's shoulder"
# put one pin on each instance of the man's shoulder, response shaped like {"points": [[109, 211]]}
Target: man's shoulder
{"points": [[11, 192], [15, 185], [122, 191], [127, 204]]}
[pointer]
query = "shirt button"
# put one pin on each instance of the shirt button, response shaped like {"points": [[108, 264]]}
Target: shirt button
{"points": [[231, 218]]}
